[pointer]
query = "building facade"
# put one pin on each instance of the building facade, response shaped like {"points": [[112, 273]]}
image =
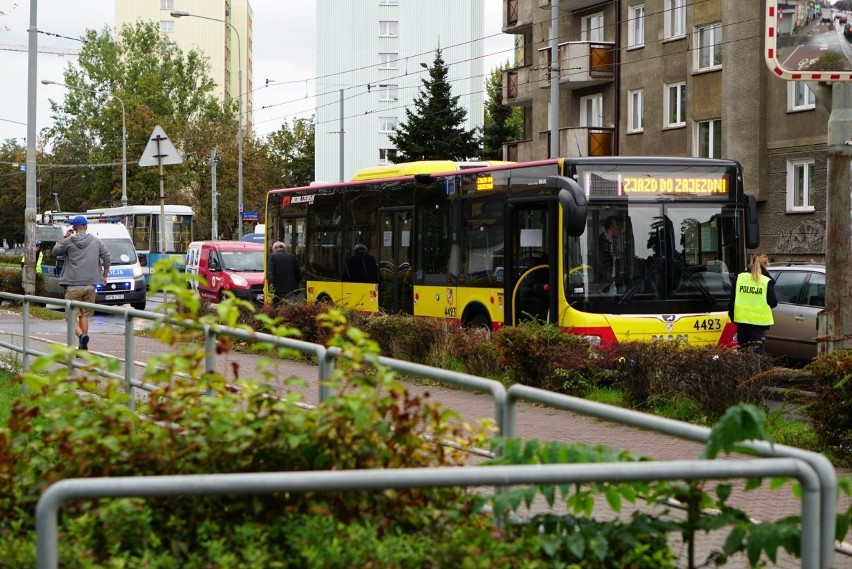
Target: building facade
{"points": [[229, 52], [677, 78], [372, 56]]}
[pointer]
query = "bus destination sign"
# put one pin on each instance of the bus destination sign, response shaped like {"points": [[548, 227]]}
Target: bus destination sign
{"points": [[674, 185]]}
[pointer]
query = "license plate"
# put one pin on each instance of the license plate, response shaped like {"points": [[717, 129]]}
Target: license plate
{"points": [[114, 297]]}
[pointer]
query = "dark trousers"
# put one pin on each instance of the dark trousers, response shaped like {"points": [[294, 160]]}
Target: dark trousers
{"points": [[752, 337]]}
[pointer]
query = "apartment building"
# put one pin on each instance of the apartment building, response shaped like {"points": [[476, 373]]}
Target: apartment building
{"points": [[677, 78], [372, 56], [220, 29]]}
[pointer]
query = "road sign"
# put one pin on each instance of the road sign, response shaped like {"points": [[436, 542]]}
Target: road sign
{"points": [[250, 216], [160, 151], [807, 50]]}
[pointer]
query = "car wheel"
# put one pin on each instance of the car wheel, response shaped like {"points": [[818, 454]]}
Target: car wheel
{"points": [[138, 305]]}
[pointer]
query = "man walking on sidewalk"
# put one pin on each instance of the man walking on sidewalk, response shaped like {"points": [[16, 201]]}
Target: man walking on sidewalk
{"points": [[87, 262]]}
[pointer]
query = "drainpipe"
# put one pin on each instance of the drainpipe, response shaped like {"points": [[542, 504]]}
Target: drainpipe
{"points": [[554, 79], [617, 70]]}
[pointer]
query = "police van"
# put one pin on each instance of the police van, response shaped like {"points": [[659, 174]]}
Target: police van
{"points": [[125, 282]]}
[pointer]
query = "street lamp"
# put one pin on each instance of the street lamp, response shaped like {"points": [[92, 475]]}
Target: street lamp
{"points": [[123, 134], [182, 14]]}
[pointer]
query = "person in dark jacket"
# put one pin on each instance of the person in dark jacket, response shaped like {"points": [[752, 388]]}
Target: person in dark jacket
{"points": [[752, 300], [283, 275], [361, 267], [87, 262]]}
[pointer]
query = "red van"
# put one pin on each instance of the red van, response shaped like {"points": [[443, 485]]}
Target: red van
{"points": [[235, 266]]}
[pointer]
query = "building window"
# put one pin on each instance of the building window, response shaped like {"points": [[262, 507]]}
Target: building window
{"points": [[635, 111], [799, 96], [636, 26], [387, 155], [387, 124], [389, 28], [167, 26], [800, 180], [709, 52], [592, 27], [675, 105], [388, 60], [675, 15], [388, 92], [167, 4], [710, 138], [591, 110]]}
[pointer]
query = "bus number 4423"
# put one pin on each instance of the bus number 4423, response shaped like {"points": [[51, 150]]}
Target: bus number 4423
{"points": [[708, 324]]}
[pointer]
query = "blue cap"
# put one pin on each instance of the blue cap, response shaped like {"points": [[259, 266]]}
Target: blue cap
{"points": [[79, 220]]}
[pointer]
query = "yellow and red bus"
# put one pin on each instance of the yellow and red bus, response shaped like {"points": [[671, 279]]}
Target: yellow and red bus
{"points": [[495, 244]]}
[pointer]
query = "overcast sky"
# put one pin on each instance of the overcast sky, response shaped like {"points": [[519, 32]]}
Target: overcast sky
{"points": [[284, 52]]}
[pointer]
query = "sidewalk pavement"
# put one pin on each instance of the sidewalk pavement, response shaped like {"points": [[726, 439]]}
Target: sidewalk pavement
{"points": [[533, 421]]}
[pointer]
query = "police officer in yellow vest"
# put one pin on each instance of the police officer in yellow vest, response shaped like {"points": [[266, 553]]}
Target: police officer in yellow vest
{"points": [[39, 257], [752, 300]]}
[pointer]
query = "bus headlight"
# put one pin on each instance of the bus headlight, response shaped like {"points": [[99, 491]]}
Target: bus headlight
{"points": [[238, 280]]}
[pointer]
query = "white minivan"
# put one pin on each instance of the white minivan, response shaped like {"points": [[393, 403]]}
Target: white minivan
{"points": [[125, 282]]}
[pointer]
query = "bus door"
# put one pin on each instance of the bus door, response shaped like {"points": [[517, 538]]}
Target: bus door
{"points": [[396, 278], [530, 264]]}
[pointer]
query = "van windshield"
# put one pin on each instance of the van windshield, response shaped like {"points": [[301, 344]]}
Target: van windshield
{"points": [[245, 261], [121, 251]]}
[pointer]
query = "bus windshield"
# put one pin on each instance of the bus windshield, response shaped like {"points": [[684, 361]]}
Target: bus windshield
{"points": [[635, 254]]}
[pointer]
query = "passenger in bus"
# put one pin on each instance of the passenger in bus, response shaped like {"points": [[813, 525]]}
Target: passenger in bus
{"points": [[283, 276], [361, 267], [752, 300], [607, 259]]}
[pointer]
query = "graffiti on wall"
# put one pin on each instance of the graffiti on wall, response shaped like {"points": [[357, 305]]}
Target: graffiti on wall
{"points": [[807, 237]]}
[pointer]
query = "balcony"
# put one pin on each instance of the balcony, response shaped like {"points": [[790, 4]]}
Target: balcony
{"points": [[517, 90], [569, 5], [517, 16], [585, 64], [586, 141], [581, 64]]}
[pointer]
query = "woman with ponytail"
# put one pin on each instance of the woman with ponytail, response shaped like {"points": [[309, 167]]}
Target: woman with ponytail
{"points": [[752, 300]]}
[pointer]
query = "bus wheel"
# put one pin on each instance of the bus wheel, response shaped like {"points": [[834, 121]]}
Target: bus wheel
{"points": [[480, 321]]}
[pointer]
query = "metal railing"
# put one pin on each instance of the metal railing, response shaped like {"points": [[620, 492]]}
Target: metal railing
{"points": [[818, 531]]}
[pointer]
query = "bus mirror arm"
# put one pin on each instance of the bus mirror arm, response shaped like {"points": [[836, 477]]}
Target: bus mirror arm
{"points": [[752, 228], [573, 200]]}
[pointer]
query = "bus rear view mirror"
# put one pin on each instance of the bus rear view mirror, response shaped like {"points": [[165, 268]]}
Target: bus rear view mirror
{"points": [[573, 200], [752, 228]]}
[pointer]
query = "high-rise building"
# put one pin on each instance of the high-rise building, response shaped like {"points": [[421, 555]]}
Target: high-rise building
{"points": [[372, 56], [207, 31], [678, 78]]}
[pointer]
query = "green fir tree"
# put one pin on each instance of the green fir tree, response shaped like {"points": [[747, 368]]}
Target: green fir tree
{"points": [[434, 129]]}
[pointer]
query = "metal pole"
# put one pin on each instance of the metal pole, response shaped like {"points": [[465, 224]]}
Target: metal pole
{"points": [[28, 278], [554, 79], [123, 154], [214, 204], [341, 136]]}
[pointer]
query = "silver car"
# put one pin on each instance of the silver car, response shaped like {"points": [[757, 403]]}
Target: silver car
{"points": [[801, 296]]}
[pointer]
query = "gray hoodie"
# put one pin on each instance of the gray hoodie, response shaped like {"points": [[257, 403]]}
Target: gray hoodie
{"points": [[86, 259]]}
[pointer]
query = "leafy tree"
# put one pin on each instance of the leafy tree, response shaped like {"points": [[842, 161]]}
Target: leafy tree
{"points": [[12, 191], [158, 84], [291, 148], [434, 130], [502, 122]]}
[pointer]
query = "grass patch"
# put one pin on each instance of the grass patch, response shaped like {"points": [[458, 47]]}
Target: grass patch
{"points": [[10, 391], [790, 432], [607, 396], [680, 408]]}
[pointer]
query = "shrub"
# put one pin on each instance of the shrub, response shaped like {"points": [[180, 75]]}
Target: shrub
{"points": [[404, 337], [478, 352], [712, 377], [10, 281], [831, 409], [533, 352]]}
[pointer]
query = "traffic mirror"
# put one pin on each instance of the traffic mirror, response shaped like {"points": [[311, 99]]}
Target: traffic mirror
{"points": [[808, 41]]}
